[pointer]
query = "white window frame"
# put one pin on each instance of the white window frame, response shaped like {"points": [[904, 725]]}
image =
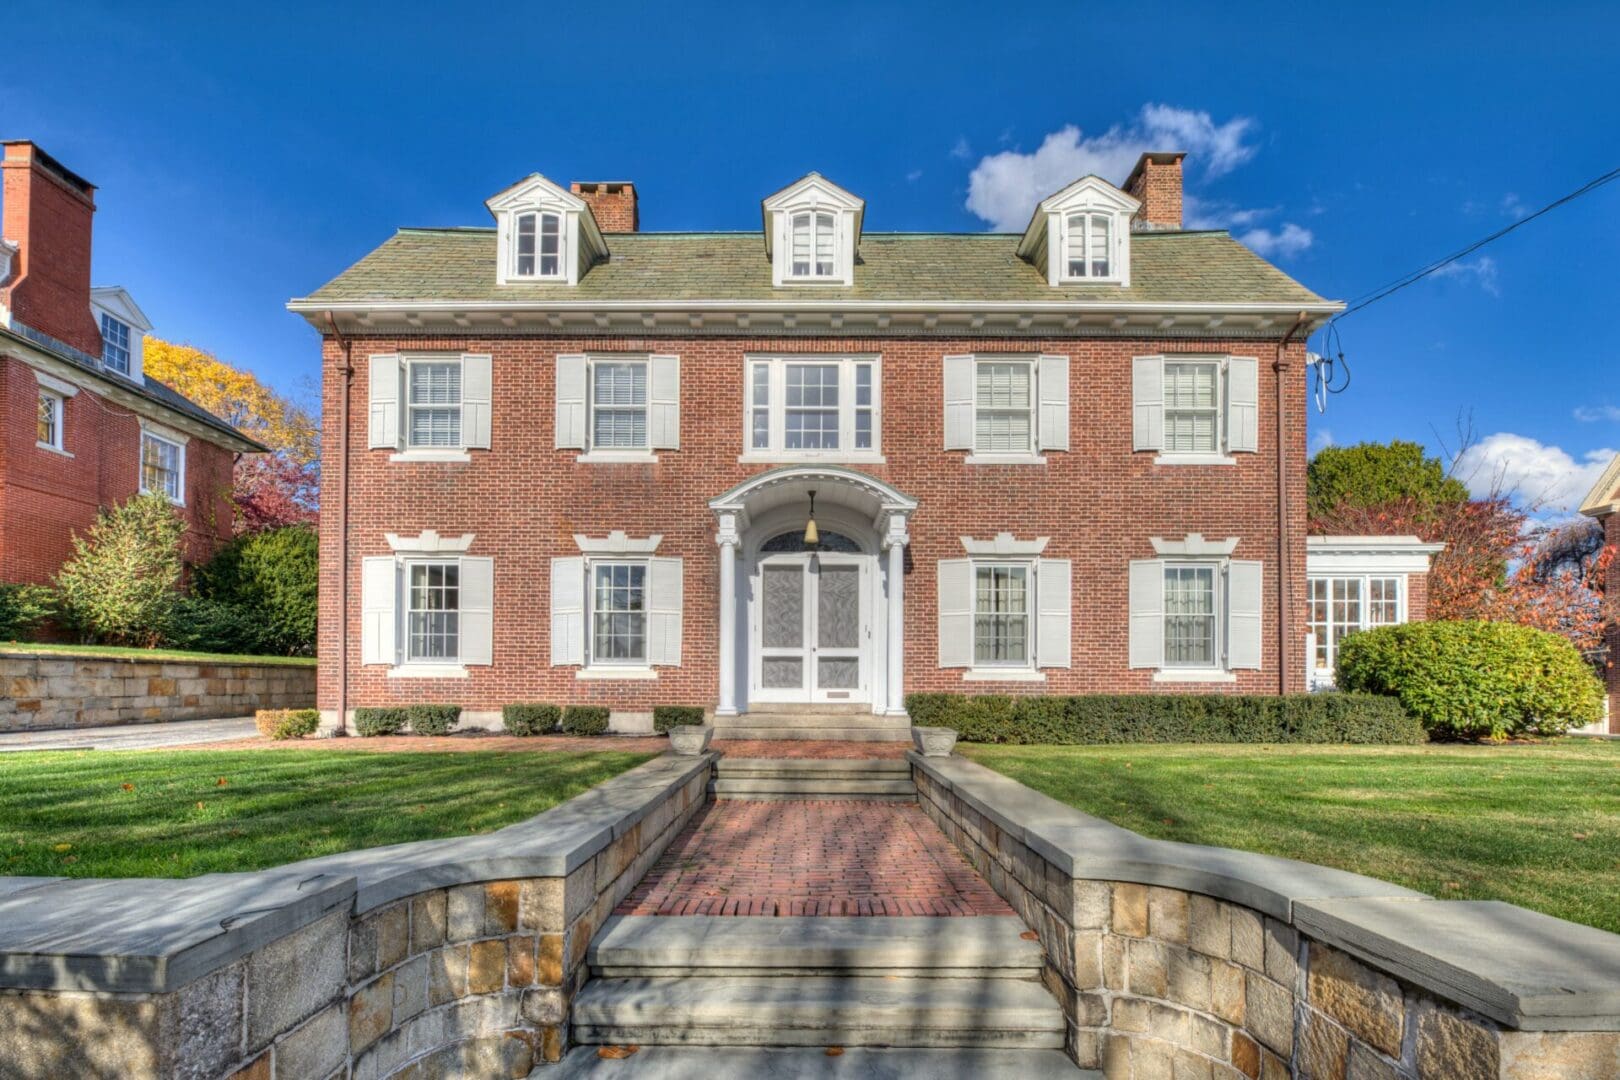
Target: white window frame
{"points": [[776, 365], [644, 451], [408, 409], [516, 256], [1119, 228], [113, 327], [1219, 661], [1027, 567], [813, 267], [1219, 408], [1088, 218], [1324, 675], [592, 661], [407, 659], [1033, 453], [147, 434], [58, 440]]}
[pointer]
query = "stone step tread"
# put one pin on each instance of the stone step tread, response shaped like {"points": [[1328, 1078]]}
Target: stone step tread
{"points": [[898, 944], [838, 734], [847, 720], [814, 785], [865, 766], [812, 1063], [811, 796]]}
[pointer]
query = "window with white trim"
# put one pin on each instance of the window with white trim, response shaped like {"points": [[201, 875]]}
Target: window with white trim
{"points": [[163, 464], [1192, 407], [432, 611], [813, 406], [1343, 605], [48, 430], [1191, 615], [618, 405], [115, 343], [618, 617], [1088, 245], [813, 237], [1004, 407], [537, 247], [433, 404], [1001, 615]]}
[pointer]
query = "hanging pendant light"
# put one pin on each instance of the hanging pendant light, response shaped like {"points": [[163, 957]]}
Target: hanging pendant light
{"points": [[811, 536]]}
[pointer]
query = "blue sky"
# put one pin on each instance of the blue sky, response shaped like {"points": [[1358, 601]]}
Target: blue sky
{"points": [[245, 159]]}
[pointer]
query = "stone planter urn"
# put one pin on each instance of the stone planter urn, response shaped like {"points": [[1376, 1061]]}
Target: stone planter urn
{"points": [[690, 740], [934, 741]]}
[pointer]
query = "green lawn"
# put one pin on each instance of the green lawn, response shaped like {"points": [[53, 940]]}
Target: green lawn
{"points": [[180, 813], [1535, 825], [118, 652]]}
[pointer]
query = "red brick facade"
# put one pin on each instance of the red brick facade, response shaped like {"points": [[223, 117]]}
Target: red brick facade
{"points": [[48, 213], [613, 205]]}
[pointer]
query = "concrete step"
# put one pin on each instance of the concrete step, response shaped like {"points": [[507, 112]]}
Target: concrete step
{"points": [[812, 1063], [816, 719], [867, 768], [819, 1011], [830, 734], [821, 708], [826, 787], [989, 946]]}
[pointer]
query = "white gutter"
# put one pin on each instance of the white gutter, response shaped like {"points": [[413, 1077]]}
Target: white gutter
{"points": [[304, 306]]}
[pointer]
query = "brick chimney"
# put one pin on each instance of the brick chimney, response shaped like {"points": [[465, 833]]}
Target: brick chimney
{"points": [[47, 214], [1156, 184], [612, 204]]}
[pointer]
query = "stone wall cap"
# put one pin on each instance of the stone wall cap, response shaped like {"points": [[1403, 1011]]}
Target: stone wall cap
{"points": [[1519, 967], [156, 661]]}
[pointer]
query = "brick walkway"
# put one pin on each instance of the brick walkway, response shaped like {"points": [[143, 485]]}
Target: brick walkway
{"points": [[812, 858]]}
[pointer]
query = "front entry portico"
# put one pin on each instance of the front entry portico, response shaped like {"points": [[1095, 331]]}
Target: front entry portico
{"points": [[815, 623]]}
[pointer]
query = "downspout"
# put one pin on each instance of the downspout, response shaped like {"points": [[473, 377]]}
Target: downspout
{"points": [[347, 371], [1284, 631]]}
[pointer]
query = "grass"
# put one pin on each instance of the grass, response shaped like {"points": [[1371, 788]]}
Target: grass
{"points": [[1533, 824], [181, 813], [119, 652]]}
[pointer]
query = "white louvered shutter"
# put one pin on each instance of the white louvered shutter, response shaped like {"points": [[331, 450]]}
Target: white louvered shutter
{"points": [[1244, 589], [955, 613], [664, 601], [959, 403], [1147, 403], [1054, 390], [571, 390], [1054, 599], [477, 615], [384, 394], [1242, 405], [476, 390], [567, 611], [1147, 613], [379, 598], [664, 402]]}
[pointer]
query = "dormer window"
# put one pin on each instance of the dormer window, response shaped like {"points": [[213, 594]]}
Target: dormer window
{"points": [[1088, 245], [543, 234], [812, 232], [813, 245], [539, 246], [115, 344], [1082, 235], [123, 326]]}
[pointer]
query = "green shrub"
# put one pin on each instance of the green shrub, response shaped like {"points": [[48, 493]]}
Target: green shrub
{"points": [[273, 575], [23, 608], [531, 719], [1168, 718], [432, 719], [669, 716], [119, 587], [287, 723], [212, 626], [1469, 680], [386, 721], [585, 719]]}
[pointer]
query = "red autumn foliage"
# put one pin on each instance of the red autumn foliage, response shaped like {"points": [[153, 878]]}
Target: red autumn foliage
{"points": [[272, 490]]}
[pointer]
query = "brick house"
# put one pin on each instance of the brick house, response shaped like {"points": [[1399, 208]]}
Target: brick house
{"points": [[575, 462], [81, 425], [1604, 504]]}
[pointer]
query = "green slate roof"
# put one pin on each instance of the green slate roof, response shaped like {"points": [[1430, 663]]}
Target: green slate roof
{"points": [[1166, 267]]}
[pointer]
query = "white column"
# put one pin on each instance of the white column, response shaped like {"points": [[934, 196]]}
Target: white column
{"points": [[726, 537], [894, 542]]}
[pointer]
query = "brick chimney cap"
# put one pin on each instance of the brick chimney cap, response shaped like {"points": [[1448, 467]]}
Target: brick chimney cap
{"points": [[38, 156], [591, 185], [1157, 157]]}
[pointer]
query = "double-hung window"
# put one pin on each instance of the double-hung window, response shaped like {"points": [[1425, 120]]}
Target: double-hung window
{"points": [[618, 599], [48, 429], [1192, 407], [812, 406], [1195, 409], [1191, 616], [163, 464], [813, 242], [1344, 605], [1087, 244], [433, 611], [1001, 607], [619, 405], [537, 247], [1004, 407], [115, 344], [433, 404]]}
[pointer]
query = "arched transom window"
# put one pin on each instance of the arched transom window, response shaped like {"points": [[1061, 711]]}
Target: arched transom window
{"points": [[1088, 245], [813, 245], [538, 250], [793, 542]]}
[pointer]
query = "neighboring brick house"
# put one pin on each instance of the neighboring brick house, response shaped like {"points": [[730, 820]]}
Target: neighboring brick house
{"points": [[1355, 583], [574, 462], [81, 426], [1604, 504]]}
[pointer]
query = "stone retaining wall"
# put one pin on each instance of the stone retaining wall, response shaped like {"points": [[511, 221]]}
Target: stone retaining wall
{"points": [[1175, 960], [453, 958], [57, 691]]}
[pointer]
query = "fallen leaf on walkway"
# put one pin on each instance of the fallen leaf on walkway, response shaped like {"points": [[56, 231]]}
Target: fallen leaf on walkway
{"points": [[1030, 935], [616, 1053], [835, 1051]]}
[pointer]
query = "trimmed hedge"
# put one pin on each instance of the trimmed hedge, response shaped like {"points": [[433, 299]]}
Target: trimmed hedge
{"points": [[1168, 718], [373, 721], [433, 719], [669, 716], [585, 719], [1470, 680], [530, 719], [287, 723]]}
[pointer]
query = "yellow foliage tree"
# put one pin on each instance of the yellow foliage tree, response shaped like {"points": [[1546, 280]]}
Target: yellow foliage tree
{"points": [[238, 398]]}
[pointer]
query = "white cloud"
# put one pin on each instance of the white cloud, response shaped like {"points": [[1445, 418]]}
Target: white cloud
{"points": [[1285, 242], [1545, 477], [1512, 207], [961, 149], [913, 176], [1004, 188], [1595, 414], [1482, 270], [1321, 441]]}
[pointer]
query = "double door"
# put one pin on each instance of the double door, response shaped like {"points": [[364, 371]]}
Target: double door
{"points": [[811, 628]]}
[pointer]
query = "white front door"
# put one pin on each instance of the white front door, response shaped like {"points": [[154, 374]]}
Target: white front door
{"points": [[810, 626]]}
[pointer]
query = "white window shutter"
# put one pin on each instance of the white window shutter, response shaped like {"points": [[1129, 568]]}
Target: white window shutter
{"points": [[955, 613], [1147, 403], [959, 403], [664, 402], [475, 401], [1147, 613], [664, 602], [1054, 389], [384, 394], [1054, 584], [379, 612], [567, 611], [571, 390], [1242, 404], [1244, 591], [477, 613]]}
